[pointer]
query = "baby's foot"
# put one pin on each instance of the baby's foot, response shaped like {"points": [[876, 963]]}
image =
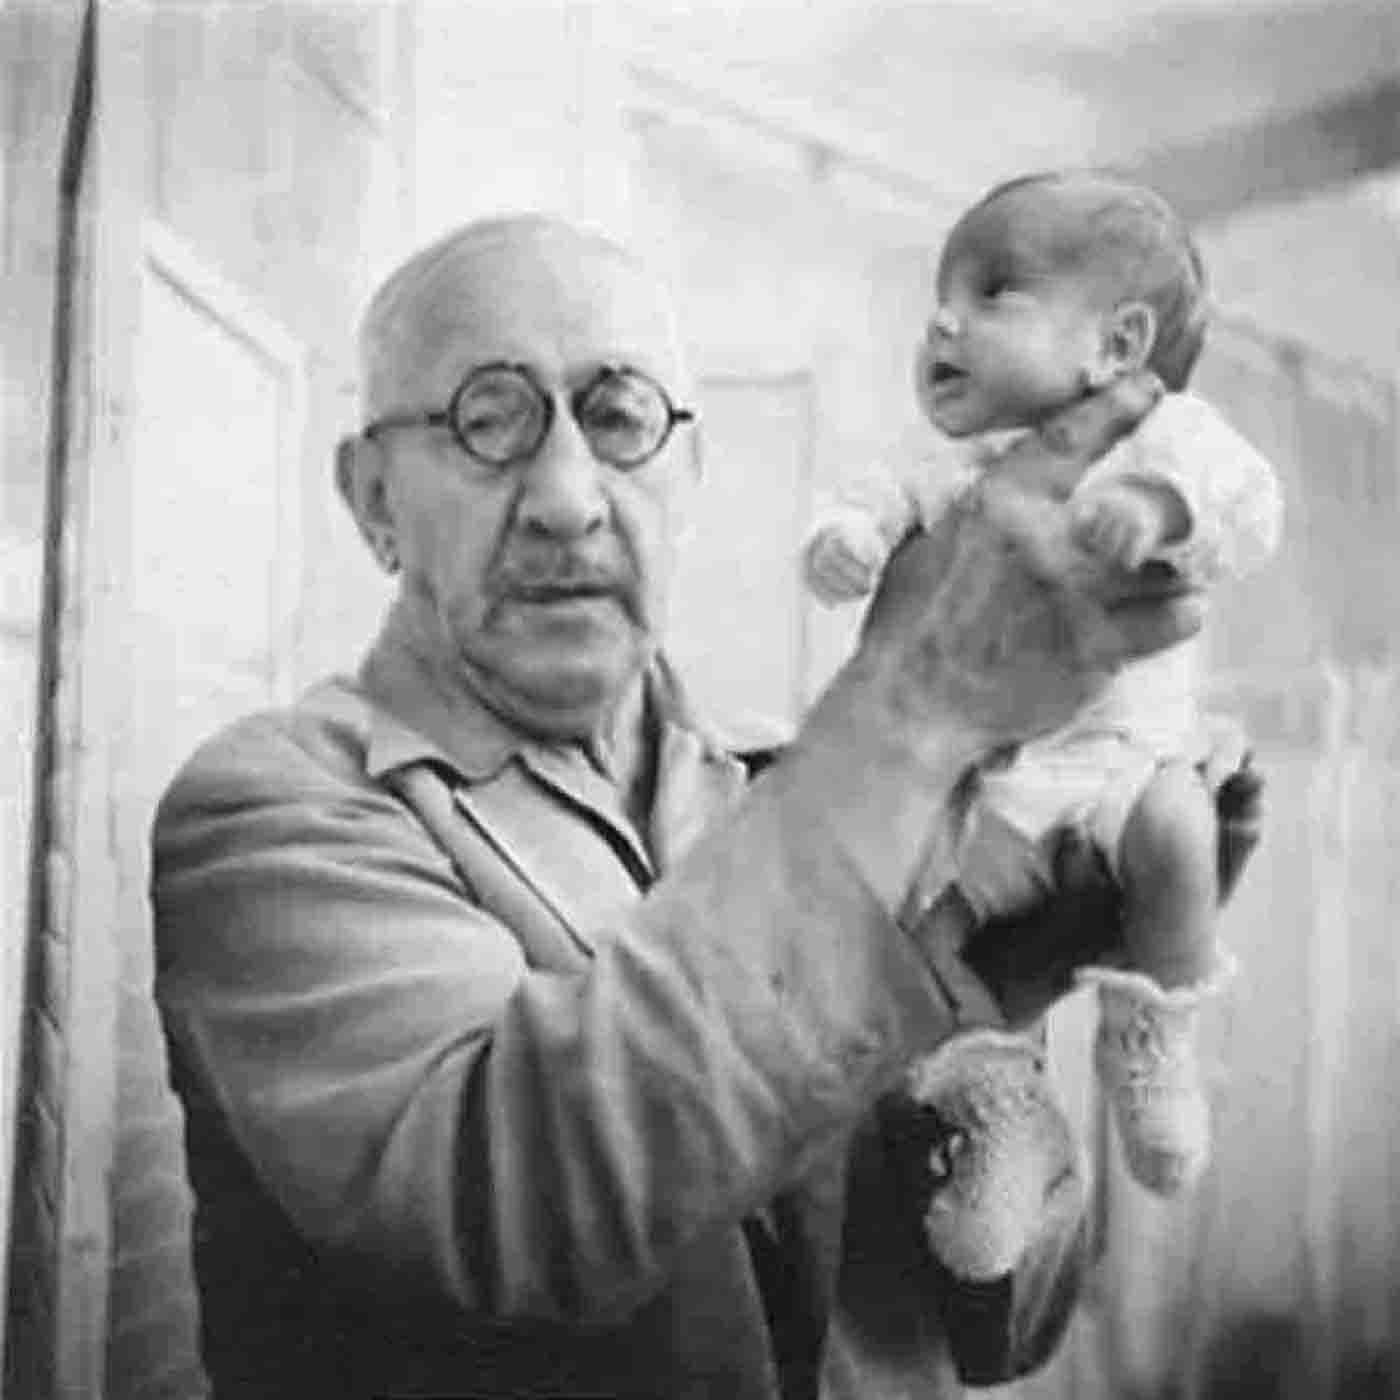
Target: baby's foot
{"points": [[993, 1148], [1145, 1054]]}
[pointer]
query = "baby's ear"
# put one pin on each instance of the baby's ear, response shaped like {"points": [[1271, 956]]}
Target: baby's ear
{"points": [[1128, 334]]}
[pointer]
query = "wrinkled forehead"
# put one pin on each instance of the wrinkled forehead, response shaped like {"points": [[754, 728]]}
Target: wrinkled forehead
{"points": [[1039, 230], [531, 291]]}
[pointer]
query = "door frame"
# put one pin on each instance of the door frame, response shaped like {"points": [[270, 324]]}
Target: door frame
{"points": [[57, 1282], [60, 1243]]}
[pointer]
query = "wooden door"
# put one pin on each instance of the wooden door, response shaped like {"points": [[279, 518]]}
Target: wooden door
{"points": [[243, 162]]}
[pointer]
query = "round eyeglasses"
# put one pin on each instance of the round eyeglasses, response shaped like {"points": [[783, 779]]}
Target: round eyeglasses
{"points": [[500, 415]]}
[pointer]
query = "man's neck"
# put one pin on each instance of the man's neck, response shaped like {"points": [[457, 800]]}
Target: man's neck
{"points": [[624, 751]]}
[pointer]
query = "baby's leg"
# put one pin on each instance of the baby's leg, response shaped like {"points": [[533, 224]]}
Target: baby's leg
{"points": [[985, 1152], [1167, 868], [989, 1150], [1146, 1045]]}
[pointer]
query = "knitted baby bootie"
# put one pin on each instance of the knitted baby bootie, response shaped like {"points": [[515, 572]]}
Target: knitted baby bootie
{"points": [[1000, 1156], [1146, 1057]]}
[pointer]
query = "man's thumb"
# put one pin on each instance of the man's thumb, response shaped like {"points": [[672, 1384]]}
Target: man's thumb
{"points": [[1084, 431]]}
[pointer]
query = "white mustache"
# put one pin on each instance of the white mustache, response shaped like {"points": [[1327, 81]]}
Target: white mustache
{"points": [[541, 579]]}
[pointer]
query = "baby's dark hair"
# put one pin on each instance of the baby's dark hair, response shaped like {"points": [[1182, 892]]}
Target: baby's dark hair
{"points": [[1134, 238]]}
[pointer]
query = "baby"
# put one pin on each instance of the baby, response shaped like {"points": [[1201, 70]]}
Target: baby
{"points": [[1048, 288]]}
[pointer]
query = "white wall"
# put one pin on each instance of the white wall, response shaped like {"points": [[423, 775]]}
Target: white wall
{"points": [[781, 274], [794, 283], [518, 105], [1324, 269]]}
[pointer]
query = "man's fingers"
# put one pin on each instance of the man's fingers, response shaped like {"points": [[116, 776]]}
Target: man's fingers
{"points": [[1239, 805], [1139, 627], [1224, 752], [1240, 795], [1076, 862], [1084, 431], [1050, 461]]}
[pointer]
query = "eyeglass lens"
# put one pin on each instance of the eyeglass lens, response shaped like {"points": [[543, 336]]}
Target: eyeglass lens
{"points": [[502, 416], [624, 417]]}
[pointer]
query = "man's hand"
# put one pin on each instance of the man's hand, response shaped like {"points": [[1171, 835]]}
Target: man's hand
{"points": [[972, 617], [1121, 524]]}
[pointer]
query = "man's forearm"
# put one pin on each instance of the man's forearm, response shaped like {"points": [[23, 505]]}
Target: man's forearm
{"points": [[885, 779], [763, 998], [495, 1126]]}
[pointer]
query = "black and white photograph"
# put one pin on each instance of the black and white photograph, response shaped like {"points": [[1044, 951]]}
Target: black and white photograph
{"points": [[561, 562]]}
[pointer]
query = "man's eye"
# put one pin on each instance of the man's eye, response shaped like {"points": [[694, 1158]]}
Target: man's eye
{"points": [[614, 417]]}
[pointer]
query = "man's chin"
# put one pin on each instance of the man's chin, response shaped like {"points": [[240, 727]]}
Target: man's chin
{"points": [[565, 697]]}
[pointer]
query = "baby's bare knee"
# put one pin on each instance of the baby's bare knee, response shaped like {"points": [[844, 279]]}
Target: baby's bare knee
{"points": [[1171, 827]]}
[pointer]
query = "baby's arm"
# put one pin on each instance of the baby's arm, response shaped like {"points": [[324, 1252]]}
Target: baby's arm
{"points": [[1185, 488], [858, 528]]}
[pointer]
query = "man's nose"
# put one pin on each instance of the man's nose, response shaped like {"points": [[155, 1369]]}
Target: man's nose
{"points": [[561, 492]]}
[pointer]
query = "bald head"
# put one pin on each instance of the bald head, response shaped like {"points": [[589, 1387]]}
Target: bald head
{"points": [[477, 282]]}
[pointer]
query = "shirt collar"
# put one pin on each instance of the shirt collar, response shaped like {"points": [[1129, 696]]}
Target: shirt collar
{"points": [[413, 719]]}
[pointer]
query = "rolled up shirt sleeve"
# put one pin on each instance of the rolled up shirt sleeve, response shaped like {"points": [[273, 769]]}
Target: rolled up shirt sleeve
{"points": [[427, 1107]]}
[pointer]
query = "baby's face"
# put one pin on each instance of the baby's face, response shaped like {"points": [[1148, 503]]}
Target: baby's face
{"points": [[1009, 342]]}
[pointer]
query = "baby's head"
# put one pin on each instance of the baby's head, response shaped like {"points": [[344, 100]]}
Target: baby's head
{"points": [[1052, 285]]}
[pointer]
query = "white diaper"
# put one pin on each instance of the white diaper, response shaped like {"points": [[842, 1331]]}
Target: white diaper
{"points": [[1091, 781]]}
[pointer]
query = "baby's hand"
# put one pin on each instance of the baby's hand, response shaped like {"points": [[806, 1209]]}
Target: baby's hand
{"points": [[844, 558], [1118, 524]]}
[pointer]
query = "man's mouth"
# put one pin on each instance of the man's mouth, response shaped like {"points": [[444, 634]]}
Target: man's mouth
{"points": [[590, 596], [559, 583], [562, 594]]}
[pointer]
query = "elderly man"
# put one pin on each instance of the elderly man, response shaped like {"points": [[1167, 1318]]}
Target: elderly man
{"points": [[524, 1043]]}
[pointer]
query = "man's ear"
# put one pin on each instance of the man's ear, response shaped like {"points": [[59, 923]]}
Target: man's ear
{"points": [[360, 477]]}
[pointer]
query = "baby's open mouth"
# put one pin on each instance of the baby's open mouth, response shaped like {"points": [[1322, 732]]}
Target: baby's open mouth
{"points": [[943, 373]]}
